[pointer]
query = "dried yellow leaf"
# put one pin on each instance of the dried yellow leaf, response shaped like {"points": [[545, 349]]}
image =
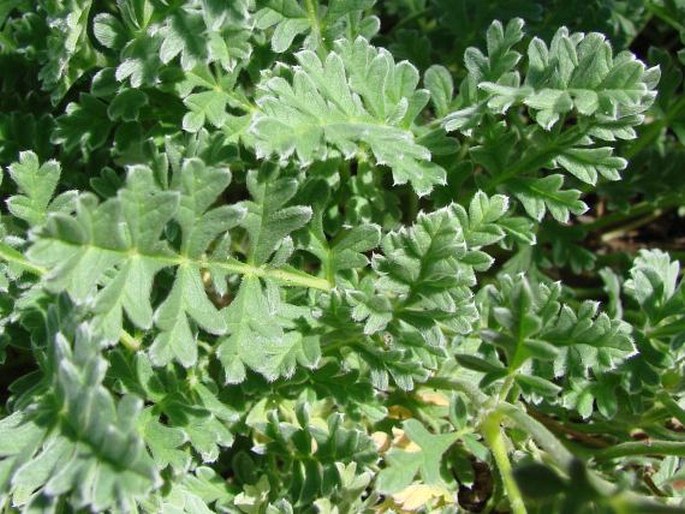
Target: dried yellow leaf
{"points": [[417, 496]]}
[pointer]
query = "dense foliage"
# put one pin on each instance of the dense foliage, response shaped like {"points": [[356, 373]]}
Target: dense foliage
{"points": [[280, 256]]}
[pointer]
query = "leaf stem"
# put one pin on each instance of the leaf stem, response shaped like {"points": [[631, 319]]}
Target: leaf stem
{"points": [[546, 439], [285, 276], [671, 406], [507, 385], [558, 427], [492, 433], [129, 342], [410, 18], [664, 15], [470, 389], [538, 159], [313, 16], [633, 225], [636, 210], [635, 448], [12, 256]]}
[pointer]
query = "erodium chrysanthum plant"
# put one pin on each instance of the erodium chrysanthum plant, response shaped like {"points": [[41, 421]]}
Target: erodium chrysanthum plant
{"points": [[339, 257]]}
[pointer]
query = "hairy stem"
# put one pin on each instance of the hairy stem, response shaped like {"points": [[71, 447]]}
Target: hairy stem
{"points": [[537, 159], [636, 210], [129, 342], [634, 225], [12, 256], [285, 276], [560, 428], [313, 16], [636, 448], [492, 433]]}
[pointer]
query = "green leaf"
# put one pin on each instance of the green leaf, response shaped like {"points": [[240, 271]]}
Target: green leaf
{"points": [[69, 53], [183, 34], [252, 262], [421, 296], [539, 386], [289, 19], [482, 224], [552, 343], [80, 250], [207, 94], [210, 105], [519, 229], [541, 195], [577, 71], [110, 253], [346, 251], [140, 62], [478, 364], [586, 163], [93, 455], [199, 187], [85, 125], [576, 90], [109, 31], [653, 279], [256, 339], [37, 183], [204, 429], [267, 221], [402, 466], [126, 105], [164, 442], [438, 81], [499, 62], [93, 257], [423, 264], [194, 34], [356, 96]]}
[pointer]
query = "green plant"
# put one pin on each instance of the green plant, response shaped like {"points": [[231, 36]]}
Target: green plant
{"points": [[252, 260]]}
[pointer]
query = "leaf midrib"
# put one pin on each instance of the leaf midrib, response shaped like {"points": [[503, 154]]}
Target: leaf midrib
{"points": [[231, 265]]}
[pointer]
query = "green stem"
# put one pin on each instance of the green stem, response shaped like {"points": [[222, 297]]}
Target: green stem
{"points": [[470, 389], [538, 159], [545, 439], [291, 278], [492, 433], [410, 18], [12, 256], [631, 449], [636, 210], [288, 277], [553, 447], [559, 428], [313, 16], [672, 406], [664, 15], [507, 385], [129, 342], [633, 225], [651, 132]]}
